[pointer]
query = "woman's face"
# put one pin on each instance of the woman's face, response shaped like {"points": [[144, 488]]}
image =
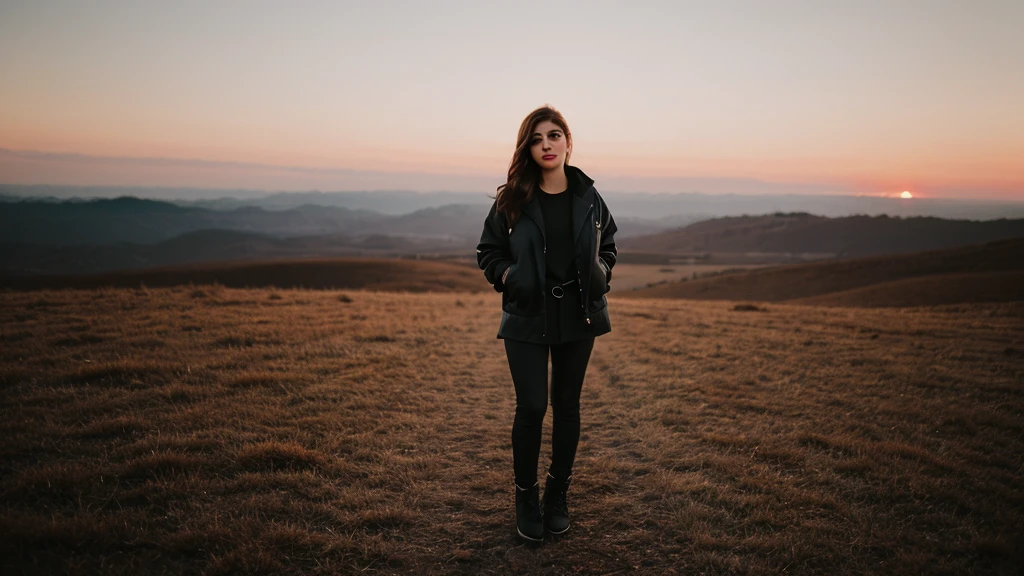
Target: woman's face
{"points": [[547, 145]]}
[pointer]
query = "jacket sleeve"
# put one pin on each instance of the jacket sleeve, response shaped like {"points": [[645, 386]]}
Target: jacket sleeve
{"points": [[493, 254], [607, 251]]}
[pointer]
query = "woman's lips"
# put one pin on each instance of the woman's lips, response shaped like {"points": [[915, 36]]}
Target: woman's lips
{"points": [[550, 156]]}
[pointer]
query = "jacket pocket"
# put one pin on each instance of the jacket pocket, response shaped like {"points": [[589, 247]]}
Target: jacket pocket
{"points": [[510, 282], [598, 281], [516, 298], [604, 275], [520, 291]]}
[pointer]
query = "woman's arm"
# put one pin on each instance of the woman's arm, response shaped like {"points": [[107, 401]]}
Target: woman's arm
{"points": [[493, 254]]}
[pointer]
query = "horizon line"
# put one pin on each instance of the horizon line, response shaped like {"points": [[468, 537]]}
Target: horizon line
{"points": [[422, 193], [469, 183]]}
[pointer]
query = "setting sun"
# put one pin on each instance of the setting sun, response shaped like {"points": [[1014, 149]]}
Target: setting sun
{"points": [[906, 194]]}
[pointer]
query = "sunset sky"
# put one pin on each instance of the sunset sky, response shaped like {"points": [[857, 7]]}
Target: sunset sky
{"points": [[859, 97]]}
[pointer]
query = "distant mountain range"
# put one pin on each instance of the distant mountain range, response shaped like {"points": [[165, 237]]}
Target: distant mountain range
{"points": [[665, 210], [73, 237], [135, 220]]}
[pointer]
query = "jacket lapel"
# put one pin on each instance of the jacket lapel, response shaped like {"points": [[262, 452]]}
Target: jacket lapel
{"points": [[583, 200], [581, 207]]}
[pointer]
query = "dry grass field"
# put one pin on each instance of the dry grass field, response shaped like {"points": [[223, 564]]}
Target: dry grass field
{"points": [[211, 430]]}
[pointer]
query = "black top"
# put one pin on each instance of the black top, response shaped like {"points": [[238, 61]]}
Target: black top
{"points": [[557, 211]]}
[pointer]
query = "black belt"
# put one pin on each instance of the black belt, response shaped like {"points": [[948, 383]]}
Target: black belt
{"points": [[557, 291]]}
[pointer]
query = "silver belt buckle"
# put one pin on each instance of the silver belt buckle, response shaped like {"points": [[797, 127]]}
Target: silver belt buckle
{"points": [[557, 291]]}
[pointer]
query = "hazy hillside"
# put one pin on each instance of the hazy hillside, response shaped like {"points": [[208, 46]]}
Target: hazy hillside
{"points": [[829, 237], [696, 199], [991, 271], [43, 237], [129, 219], [211, 245]]}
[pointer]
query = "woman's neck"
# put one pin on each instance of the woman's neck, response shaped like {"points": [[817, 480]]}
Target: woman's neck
{"points": [[554, 181]]}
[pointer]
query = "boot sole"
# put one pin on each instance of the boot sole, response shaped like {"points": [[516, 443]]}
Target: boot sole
{"points": [[562, 532], [531, 539]]}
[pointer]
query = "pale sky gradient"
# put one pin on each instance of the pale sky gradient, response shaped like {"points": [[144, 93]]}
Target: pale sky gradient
{"points": [[836, 97]]}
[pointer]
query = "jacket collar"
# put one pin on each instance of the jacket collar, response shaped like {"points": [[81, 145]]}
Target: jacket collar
{"points": [[580, 182], [582, 187]]}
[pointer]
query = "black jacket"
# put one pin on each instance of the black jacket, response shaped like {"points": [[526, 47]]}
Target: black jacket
{"points": [[522, 249]]}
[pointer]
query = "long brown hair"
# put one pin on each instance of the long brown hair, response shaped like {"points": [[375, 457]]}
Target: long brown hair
{"points": [[523, 172]]}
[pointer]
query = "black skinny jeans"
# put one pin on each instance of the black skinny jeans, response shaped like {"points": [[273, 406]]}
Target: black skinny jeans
{"points": [[529, 366]]}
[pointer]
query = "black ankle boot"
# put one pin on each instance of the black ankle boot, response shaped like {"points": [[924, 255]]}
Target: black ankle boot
{"points": [[556, 509], [529, 522]]}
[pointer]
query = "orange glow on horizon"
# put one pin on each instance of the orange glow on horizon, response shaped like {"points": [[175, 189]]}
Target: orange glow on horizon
{"points": [[998, 172], [489, 160]]}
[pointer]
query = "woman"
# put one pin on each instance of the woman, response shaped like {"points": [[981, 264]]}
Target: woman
{"points": [[547, 246]]}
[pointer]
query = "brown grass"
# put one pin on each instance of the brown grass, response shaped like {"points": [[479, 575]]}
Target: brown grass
{"points": [[156, 431]]}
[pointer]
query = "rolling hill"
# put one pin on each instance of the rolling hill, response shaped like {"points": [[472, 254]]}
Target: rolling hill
{"points": [[802, 233], [993, 271], [94, 236], [394, 275], [211, 245]]}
